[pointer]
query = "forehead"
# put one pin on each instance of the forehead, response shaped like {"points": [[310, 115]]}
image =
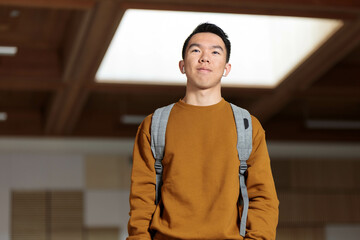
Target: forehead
{"points": [[207, 39]]}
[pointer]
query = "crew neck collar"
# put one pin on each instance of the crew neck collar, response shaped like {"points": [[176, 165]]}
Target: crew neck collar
{"points": [[196, 107]]}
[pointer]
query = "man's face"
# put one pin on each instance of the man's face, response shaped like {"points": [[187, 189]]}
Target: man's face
{"points": [[205, 61]]}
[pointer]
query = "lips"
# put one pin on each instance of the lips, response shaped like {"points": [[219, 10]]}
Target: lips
{"points": [[204, 69]]}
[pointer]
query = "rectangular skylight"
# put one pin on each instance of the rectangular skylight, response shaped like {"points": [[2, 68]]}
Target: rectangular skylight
{"points": [[146, 47], [7, 51]]}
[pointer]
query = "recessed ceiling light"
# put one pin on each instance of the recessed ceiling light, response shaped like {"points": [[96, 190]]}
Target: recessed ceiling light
{"points": [[3, 116], [8, 51], [132, 119], [332, 124], [265, 49], [14, 13]]}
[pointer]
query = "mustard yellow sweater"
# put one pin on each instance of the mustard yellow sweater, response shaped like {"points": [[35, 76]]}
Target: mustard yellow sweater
{"points": [[200, 180]]}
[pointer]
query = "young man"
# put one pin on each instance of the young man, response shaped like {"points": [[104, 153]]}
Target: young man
{"points": [[200, 191]]}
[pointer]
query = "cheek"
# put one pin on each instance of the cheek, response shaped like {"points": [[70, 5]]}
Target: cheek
{"points": [[189, 64], [221, 67]]}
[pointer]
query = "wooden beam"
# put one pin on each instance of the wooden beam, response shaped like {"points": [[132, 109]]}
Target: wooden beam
{"points": [[97, 34], [136, 88], [350, 4], [344, 41], [58, 4], [148, 89], [331, 92], [341, 81], [75, 38], [56, 108], [304, 8], [71, 51]]}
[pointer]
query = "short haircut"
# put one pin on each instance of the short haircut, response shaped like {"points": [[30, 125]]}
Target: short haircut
{"points": [[210, 28]]}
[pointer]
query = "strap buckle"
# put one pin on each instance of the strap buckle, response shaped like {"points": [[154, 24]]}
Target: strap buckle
{"points": [[242, 168], [158, 167]]}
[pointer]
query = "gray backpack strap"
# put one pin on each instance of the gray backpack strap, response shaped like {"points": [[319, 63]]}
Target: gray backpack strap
{"points": [[158, 130], [244, 148]]}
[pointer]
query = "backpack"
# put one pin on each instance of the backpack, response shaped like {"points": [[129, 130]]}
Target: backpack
{"points": [[244, 147]]}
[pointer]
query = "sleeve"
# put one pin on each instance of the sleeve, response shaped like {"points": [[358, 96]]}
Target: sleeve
{"points": [[143, 180], [263, 210]]}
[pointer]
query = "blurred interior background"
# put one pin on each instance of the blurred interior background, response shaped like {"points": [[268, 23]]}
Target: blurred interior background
{"points": [[67, 125]]}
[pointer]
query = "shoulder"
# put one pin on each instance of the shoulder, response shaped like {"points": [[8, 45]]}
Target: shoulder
{"points": [[256, 125], [145, 126], [258, 131]]}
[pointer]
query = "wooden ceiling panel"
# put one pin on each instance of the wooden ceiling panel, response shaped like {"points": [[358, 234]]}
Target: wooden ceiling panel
{"points": [[30, 64], [27, 84], [88, 126], [24, 100], [25, 112], [32, 28], [158, 95], [52, 4], [119, 104], [104, 108], [353, 58], [48, 88], [334, 108], [342, 75], [22, 122]]}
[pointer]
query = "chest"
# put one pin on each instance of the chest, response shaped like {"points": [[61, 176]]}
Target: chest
{"points": [[201, 140]]}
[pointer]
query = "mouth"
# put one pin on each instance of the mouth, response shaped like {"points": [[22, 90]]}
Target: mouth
{"points": [[204, 70]]}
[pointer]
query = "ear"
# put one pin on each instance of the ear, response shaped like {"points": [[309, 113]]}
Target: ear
{"points": [[227, 69], [182, 66]]}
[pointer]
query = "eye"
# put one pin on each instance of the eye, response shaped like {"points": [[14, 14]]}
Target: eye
{"points": [[195, 50], [216, 52]]}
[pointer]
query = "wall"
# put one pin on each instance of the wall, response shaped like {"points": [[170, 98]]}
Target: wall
{"points": [[104, 180], [315, 195], [318, 185]]}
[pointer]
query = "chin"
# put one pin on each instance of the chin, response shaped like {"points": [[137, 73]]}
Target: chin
{"points": [[203, 84], [207, 86]]}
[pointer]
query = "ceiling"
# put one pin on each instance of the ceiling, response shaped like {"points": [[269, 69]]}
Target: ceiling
{"points": [[48, 88]]}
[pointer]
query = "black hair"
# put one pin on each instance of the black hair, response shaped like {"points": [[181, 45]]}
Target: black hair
{"points": [[211, 28]]}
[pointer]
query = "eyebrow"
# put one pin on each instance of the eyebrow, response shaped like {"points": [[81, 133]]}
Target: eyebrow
{"points": [[198, 45]]}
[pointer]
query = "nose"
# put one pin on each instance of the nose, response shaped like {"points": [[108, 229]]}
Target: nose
{"points": [[204, 59]]}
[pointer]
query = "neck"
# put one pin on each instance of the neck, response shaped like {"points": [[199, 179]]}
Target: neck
{"points": [[205, 97]]}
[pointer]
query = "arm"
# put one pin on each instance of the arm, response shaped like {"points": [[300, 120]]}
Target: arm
{"points": [[143, 180], [263, 202]]}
